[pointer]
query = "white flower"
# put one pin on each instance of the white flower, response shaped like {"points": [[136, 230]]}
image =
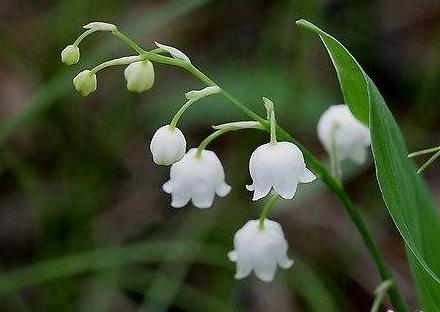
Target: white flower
{"points": [[176, 53], [85, 82], [196, 179], [351, 137], [100, 26], [168, 145], [260, 249], [279, 165], [139, 76], [70, 55]]}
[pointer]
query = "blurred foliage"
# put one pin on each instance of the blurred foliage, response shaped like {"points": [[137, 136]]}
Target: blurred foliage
{"points": [[84, 225]]}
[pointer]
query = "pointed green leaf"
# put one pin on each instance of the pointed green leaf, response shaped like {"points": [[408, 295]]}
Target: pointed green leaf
{"points": [[405, 194]]}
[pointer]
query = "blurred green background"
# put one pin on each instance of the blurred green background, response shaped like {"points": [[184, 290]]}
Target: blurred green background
{"points": [[84, 224]]}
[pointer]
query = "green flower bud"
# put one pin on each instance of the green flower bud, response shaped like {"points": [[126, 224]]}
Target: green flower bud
{"points": [[85, 82], [70, 55], [139, 76]]}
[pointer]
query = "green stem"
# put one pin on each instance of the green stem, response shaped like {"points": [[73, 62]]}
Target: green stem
{"points": [[180, 112], [266, 210], [428, 162], [273, 128], [119, 61], [128, 41], [381, 291], [209, 139], [425, 151], [317, 167], [82, 36]]}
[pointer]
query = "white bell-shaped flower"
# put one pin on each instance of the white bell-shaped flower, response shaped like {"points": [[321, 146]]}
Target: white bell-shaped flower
{"points": [[197, 179], [168, 145], [139, 76], [350, 137], [85, 82], [279, 166], [260, 249], [70, 55]]}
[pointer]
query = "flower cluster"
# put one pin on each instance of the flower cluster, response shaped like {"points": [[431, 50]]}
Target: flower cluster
{"points": [[197, 174]]}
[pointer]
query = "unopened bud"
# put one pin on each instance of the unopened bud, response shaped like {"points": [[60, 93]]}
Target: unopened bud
{"points": [[70, 55]]}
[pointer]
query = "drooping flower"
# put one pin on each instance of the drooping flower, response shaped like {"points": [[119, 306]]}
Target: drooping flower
{"points": [[260, 249], [197, 179], [168, 145], [85, 82], [70, 55], [139, 76], [279, 166], [350, 137]]}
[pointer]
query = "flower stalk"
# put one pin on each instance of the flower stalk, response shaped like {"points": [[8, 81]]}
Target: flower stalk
{"points": [[317, 167], [267, 209]]}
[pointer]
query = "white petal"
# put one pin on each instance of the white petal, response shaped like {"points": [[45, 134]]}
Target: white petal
{"points": [[307, 177], [285, 262], [177, 54], [232, 256], [265, 268], [259, 191], [168, 187], [223, 190], [285, 188], [180, 199], [244, 268], [203, 200], [358, 155]]}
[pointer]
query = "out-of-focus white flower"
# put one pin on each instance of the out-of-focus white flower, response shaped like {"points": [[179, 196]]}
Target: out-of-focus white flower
{"points": [[197, 179], [350, 137], [279, 165], [168, 145], [70, 55], [85, 82], [260, 249], [139, 76], [100, 26], [176, 53]]}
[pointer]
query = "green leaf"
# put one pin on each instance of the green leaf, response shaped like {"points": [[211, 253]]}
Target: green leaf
{"points": [[405, 194]]}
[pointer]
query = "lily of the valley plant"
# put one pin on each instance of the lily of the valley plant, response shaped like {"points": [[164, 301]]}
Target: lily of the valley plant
{"points": [[276, 168]]}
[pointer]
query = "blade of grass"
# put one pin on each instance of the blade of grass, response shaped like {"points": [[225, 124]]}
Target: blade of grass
{"points": [[104, 259]]}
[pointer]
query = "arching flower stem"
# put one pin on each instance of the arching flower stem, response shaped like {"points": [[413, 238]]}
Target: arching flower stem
{"points": [[115, 62], [273, 128], [209, 139], [222, 129], [380, 292], [82, 36], [317, 167], [267, 209], [180, 112]]}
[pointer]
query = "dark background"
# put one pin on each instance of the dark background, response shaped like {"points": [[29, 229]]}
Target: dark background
{"points": [[76, 174]]}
